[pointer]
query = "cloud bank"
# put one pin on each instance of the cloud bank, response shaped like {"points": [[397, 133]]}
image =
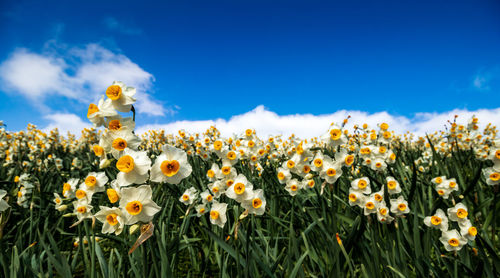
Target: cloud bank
{"points": [[267, 122], [78, 73]]}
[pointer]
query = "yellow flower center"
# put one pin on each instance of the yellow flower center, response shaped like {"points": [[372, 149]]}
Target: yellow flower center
{"points": [[349, 160], [214, 214], [497, 154], [384, 126], [98, 150], [249, 132], [331, 172], [229, 183], [306, 169], [378, 164], [80, 194], [318, 162], [112, 195], [462, 213], [453, 184], [92, 109], [125, 164], [81, 209], [495, 176], [210, 198], [114, 92], [290, 164], [226, 170], [472, 231], [202, 210], [352, 197], [370, 205], [58, 200], [218, 145], [378, 197], [391, 185], [185, 197], [134, 207], [170, 167], [453, 242], [115, 125], [439, 180], [311, 183], [256, 203], [231, 155], [112, 219], [281, 176], [383, 211], [441, 192], [90, 181], [402, 207], [335, 134], [210, 173], [66, 187], [387, 135], [293, 187], [239, 188], [119, 144], [382, 149], [436, 220], [362, 184]]}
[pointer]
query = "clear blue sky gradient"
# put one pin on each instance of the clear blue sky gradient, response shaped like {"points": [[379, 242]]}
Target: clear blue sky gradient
{"points": [[215, 59]]}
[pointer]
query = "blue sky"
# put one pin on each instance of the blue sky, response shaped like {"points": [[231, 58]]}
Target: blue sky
{"points": [[205, 60]]}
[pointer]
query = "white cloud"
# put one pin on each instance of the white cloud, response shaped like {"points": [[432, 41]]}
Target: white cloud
{"points": [[80, 73], [66, 122], [266, 122], [114, 25]]}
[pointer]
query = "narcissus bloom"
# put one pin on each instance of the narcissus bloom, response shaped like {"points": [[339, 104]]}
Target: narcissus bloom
{"points": [[133, 166], [452, 240], [112, 219], [171, 166], [94, 182], [240, 190], [331, 171], [137, 205], [96, 113], [256, 203], [116, 142], [57, 201], [393, 185], [458, 213], [82, 209], [491, 176], [399, 206], [69, 188], [362, 185], [121, 96], [467, 230], [293, 186], [439, 220], [189, 196], [218, 214], [283, 175]]}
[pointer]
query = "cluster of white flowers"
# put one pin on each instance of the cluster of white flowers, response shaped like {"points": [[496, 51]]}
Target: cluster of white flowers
{"points": [[453, 240], [444, 186]]}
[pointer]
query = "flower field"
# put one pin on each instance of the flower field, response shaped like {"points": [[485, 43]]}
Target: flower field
{"points": [[360, 202]]}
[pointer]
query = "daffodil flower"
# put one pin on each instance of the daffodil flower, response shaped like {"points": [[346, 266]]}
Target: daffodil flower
{"points": [[171, 166], [137, 205], [112, 219]]}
